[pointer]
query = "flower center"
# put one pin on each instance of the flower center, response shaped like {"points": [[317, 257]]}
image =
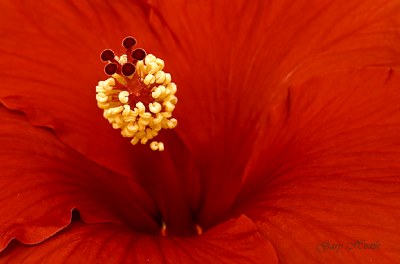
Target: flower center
{"points": [[139, 97]]}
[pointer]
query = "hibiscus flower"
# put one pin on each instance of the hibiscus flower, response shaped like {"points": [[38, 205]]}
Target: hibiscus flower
{"points": [[287, 148]]}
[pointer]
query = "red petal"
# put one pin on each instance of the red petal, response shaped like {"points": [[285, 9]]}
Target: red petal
{"points": [[234, 60], [51, 65], [328, 172], [216, 64], [42, 180], [233, 71], [236, 241]]}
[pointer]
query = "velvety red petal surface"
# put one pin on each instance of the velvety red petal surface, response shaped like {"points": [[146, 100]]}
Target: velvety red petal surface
{"points": [[328, 170], [237, 58], [51, 65], [42, 180], [236, 241], [228, 73], [233, 63]]}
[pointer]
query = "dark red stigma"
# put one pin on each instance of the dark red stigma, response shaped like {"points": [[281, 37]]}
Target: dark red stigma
{"points": [[129, 42], [138, 54], [128, 68], [111, 68], [107, 55]]}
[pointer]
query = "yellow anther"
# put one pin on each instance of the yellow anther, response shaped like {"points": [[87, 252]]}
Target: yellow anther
{"points": [[152, 68], [158, 118], [172, 88], [132, 127], [173, 99], [170, 124], [160, 146], [157, 146], [167, 79], [142, 127], [140, 134], [119, 120], [156, 93], [130, 130], [135, 112], [144, 140], [120, 79], [143, 122], [149, 59], [155, 107], [141, 69], [140, 105], [123, 59], [103, 105], [117, 110], [100, 89], [129, 118], [101, 97], [160, 77], [151, 133], [127, 110], [160, 64], [134, 140], [169, 106], [123, 97], [116, 126], [109, 83], [157, 127], [159, 92], [166, 115], [112, 111], [149, 79], [154, 145], [145, 115], [125, 133]]}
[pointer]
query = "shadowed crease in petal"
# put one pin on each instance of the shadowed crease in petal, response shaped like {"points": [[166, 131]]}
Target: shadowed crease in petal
{"points": [[329, 170]]}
